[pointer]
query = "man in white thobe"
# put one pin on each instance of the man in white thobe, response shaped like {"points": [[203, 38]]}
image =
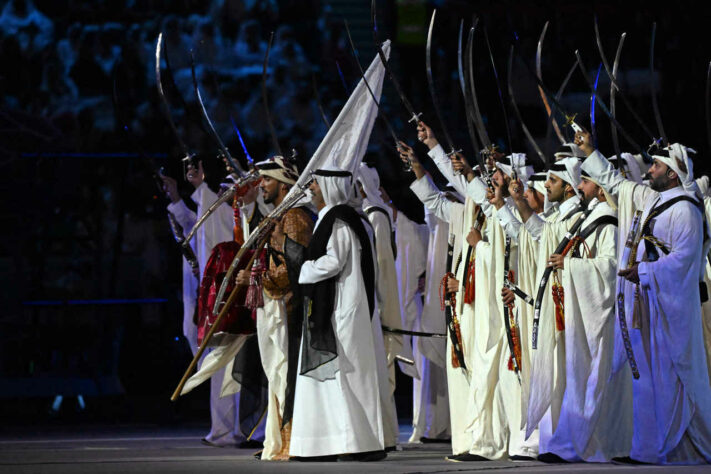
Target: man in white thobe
{"points": [[279, 319], [337, 407], [592, 423], [379, 217], [460, 219], [430, 407], [664, 336]]}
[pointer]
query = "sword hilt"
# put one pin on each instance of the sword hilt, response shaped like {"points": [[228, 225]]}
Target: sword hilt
{"points": [[415, 117], [453, 152]]}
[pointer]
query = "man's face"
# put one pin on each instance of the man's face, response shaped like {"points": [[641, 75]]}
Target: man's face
{"points": [[501, 180], [270, 189], [534, 199], [589, 190], [317, 198], [659, 179], [555, 188]]}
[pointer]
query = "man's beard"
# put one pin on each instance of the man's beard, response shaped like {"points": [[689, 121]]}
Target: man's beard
{"points": [[659, 183], [270, 197]]}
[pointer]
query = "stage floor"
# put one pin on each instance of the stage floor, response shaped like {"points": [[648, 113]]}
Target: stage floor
{"points": [[134, 449]]}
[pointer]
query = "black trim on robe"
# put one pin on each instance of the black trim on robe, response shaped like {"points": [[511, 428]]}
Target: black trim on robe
{"points": [[319, 345]]}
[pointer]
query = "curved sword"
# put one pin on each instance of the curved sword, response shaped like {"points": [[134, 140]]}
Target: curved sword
{"points": [[414, 117], [593, 127], [554, 101], [551, 120], [469, 106], [367, 86], [188, 158], [478, 120], [616, 85], [604, 108], [265, 97], [653, 87], [213, 133], [708, 105], [498, 89], [431, 84], [221, 98], [526, 132], [613, 106], [539, 73]]}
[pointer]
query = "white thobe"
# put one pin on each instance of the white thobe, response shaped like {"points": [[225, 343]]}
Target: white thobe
{"points": [[410, 239], [495, 411], [216, 229], [430, 406], [594, 422], [388, 314], [457, 378], [186, 218], [672, 397], [342, 414]]}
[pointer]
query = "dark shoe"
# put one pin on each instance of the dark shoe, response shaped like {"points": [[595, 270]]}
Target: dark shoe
{"points": [[369, 456], [389, 449], [424, 440], [314, 458], [250, 444], [466, 457], [520, 457], [626, 460], [211, 444], [550, 458], [258, 455]]}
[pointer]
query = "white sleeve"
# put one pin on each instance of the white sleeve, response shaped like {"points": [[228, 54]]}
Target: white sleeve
{"points": [[185, 217], [534, 225], [444, 164], [431, 197], [332, 262], [508, 222]]}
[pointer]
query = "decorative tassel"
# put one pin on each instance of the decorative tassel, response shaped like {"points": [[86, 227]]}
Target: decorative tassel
{"points": [[237, 229], [559, 300], [516, 336], [452, 303], [254, 298], [470, 284]]}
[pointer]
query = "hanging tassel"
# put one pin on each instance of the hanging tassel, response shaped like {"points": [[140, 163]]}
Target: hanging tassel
{"points": [[237, 232], [470, 284], [558, 299], [452, 303], [516, 337], [254, 298]]}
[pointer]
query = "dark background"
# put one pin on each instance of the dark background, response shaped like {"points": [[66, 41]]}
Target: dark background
{"points": [[91, 279]]}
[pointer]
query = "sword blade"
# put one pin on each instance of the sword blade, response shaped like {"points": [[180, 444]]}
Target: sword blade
{"points": [[593, 128], [526, 132], [211, 128], [616, 85], [166, 107], [414, 117], [613, 105], [367, 86], [469, 107], [539, 73], [265, 97], [431, 84], [498, 89], [604, 108], [478, 119], [653, 87]]}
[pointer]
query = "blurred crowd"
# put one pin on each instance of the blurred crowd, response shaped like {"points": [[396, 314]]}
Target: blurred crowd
{"points": [[64, 68]]}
